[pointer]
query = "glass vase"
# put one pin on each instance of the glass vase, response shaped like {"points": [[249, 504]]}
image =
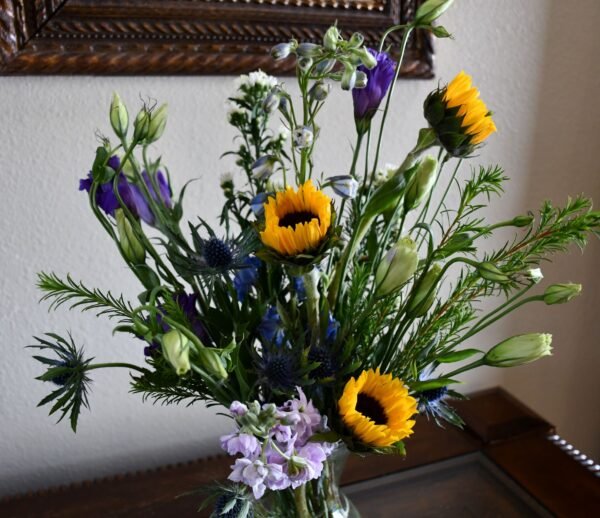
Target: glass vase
{"points": [[319, 498]]}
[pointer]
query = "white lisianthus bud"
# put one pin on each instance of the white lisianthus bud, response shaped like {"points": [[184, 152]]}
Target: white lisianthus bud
{"points": [[425, 295], [384, 174], [397, 266], [421, 183], [119, 118], [519, 350], [130, 245], [535, 275], [357, 39], [331, 38], [348, 77], [344, 185], [211, 361], [141, 125], [176, 348], [263, 167], [431, 10], [561, 293], [302, 137], [158, 121], [366, 58], [319, 91], [281, 51]]}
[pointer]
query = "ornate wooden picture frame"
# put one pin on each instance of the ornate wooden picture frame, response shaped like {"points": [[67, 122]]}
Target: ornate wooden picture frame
{"points": [[129, 37]]}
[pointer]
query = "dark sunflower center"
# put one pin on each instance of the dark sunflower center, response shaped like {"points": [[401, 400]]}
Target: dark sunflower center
{"points": [[294, 218], [371, 408]]}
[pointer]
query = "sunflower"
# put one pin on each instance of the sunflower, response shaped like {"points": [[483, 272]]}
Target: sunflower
{"points": [[296, 222], [459, 117], [377, 408]]}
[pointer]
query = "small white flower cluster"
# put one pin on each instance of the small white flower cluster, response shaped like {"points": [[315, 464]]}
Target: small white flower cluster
{"points": [[257, 78], [384, 174], [234, 109]]}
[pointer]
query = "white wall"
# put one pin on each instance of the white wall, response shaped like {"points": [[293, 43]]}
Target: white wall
{"points": [[536, 65]]}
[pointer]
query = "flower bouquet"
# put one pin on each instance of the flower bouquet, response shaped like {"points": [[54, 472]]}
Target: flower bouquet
{"points": [[326, 311]]}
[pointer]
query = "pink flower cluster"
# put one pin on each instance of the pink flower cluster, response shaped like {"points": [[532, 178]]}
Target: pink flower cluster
{"points": [[274, 445]]}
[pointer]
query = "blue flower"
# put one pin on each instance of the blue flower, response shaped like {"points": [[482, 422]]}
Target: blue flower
{"points": [[217, 253], [367, 99], [247, 277], [270, 328], [332, 330], [257, 204]]}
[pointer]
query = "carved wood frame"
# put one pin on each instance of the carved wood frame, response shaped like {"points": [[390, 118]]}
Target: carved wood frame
{"points": [[186, 36]]}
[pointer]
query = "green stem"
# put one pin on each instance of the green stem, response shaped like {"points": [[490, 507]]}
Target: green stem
{"points": [[110, 365], [470, 366], [311, 281], [300, 500]]}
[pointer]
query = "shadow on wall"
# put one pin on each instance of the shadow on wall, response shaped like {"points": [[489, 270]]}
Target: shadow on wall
{"points": [[564, 159]]}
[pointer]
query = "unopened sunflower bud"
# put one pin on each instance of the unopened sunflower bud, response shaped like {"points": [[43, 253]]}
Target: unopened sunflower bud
{"points": [[263, 167], [366, 58], [309, 50], [319, 91], [141, 125], [130, 245], [535, 275], [331, 38], [344, 185], [561, 293], [425, 295], [357, 39], [397, 266], [431, 10], [271, 102], [158, 121], [361, 79], [421, 183], [492, 273], [176, 348], [211, 361], [519, 350], [325, 66], [522, 221], [348, 77], [119, 118], [281, 51], [302, 137]]}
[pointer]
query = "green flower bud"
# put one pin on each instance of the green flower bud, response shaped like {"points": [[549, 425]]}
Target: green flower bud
{"points": [[421, 183], [119, 118], [366, 58], [361, 79], [325, 66], [141, 125], [522, 221], [426, 139], [331, 38], [357, 39], [519, 350], [130, 245], [211, 361], [398, 266], [348, 77], [281, 51], [176, 348], [491, 273], [431, 10], [425, 295], [158, 121], [309, 50], [561, 293], [319, 91]]}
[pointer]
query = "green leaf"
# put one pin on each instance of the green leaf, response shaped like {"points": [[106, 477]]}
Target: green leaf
{"points": [[422, 386], [458, 356], [329, 436]]}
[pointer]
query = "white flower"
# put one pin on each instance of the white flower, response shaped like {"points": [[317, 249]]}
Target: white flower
{"points": [[384, 174], [535, 275], [233, 109], [257, 78], [226, 178], [283, 133]]}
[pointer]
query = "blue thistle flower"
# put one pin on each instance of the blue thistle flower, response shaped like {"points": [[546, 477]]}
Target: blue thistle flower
{"points": [[217, 253], [280, 370]]}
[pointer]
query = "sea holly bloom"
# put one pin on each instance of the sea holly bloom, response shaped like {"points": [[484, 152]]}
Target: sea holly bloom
{"points": [[459, 117], [296, 221], [367, 99], [377, 408]]}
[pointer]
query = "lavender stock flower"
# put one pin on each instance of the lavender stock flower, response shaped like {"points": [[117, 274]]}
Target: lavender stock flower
{"points": [[367, 99], [242, 443], [259, 476]]}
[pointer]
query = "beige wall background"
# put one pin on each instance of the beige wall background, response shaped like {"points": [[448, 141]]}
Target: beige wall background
{"points": [[536, 63]]}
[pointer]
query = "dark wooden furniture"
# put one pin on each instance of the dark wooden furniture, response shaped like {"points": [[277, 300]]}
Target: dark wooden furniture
{"points": [[186, 36], [507, 462]]}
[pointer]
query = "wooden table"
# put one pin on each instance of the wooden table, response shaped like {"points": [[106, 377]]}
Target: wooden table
{"points": [[507, 462]]}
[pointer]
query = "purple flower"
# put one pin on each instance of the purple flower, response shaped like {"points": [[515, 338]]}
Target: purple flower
{"points": [[246, 277], [270, 328], [259, 476], [307, 464], [367, 99], [238, 409], [242, 443], [303, 416]]}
